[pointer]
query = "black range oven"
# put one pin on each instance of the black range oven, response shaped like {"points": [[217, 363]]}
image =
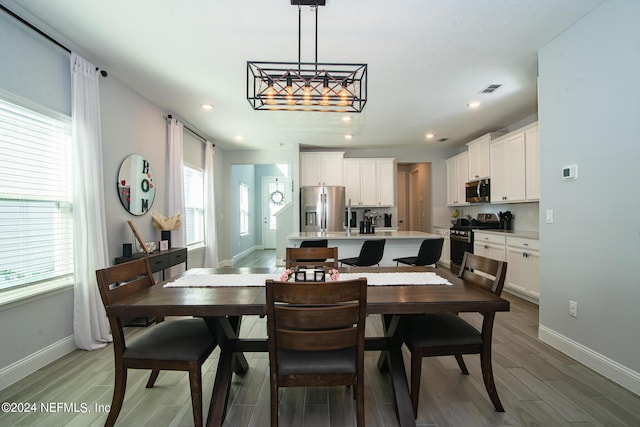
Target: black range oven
{"points": [[461, 236]]}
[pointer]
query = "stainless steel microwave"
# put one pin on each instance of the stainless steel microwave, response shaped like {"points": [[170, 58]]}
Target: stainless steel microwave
{"points": [[478, 191]]}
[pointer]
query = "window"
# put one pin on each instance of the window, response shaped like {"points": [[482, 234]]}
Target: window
{"points": [[244, 209], [36, 194], [194, 205]]}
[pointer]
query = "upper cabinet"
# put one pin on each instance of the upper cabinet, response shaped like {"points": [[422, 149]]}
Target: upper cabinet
{"points": [[457, 177], [532, 159], [479, 163], [370, 182], [514, 163], [321, 168]]}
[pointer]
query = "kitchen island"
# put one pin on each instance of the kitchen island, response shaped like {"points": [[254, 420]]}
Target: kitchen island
{"points": [[398, 243]]}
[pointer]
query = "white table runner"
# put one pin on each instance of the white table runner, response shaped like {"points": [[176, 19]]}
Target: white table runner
{"points": [[373, 279]]}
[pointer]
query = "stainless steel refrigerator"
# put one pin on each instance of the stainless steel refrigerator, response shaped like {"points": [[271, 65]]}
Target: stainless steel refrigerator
{"points": [[322, 208]]}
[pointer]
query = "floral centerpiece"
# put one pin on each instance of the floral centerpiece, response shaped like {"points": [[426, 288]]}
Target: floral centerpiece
{"points": [[286, 275]]}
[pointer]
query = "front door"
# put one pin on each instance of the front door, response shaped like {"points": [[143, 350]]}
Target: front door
{"points": [[274, 197]]}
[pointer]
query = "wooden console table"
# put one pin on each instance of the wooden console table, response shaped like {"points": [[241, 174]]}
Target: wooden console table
{"points": [[160, 260]]}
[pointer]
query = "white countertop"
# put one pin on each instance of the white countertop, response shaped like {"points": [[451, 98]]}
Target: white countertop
{"points": [[337, 235]]}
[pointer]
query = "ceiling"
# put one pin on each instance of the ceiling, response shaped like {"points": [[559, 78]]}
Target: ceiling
{"points": [[427, 59]]}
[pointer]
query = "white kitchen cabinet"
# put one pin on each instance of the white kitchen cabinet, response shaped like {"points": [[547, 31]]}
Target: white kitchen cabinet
{"points": [[445, 257], [515, 166], [507, 156], [457, 177], [523, 267], [489, 245], [479, 157], [532, 157], [370, 182], [321, 168]]}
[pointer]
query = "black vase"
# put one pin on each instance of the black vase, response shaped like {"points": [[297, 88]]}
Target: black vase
{"points": [[166, 235]]}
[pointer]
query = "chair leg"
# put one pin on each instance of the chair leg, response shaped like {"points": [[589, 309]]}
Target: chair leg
{"points": [[462, 365], [152, 378], [416, 372], [487, 376], [195, 383], [119, 388], [360, 403], [274, 403]]}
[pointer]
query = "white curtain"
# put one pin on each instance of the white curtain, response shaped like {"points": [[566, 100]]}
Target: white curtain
{"points": [[90, 325], [211, 251], [175, 185]]}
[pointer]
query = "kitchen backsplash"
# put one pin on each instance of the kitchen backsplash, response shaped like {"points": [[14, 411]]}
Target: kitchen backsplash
{"points": [[525, 215]]}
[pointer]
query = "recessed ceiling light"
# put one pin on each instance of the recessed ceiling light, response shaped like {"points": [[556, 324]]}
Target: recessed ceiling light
{"points": [[239, 137], [348, 136], [474, 104], [346, 118], [207, 107], [430, 136]]}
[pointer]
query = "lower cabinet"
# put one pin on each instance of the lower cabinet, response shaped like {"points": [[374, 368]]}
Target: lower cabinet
{"points": [[489, 245], [523, 271], [523, 261], [445, 257]]}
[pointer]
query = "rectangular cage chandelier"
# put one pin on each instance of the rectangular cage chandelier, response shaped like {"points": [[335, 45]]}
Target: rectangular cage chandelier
{"points": [[307, 86]]}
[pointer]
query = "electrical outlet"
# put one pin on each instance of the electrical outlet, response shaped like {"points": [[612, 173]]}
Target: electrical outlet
{"points": [[573, 308]]}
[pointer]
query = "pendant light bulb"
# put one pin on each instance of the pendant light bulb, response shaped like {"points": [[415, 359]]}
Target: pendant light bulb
{"points": [[270, 92], [306, 97], [325, 92], [344, 96], [289, 90]]}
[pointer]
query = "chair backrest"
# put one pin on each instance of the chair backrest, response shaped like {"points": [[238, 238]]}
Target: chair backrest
{"points": [[320, 243], [430, 251], [308, 316], [488, 273], [371, 252], [119, 281], [311, 257]]}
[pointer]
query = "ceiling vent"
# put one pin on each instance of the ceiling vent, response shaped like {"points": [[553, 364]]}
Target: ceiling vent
{"points": [[490, 88], [443, 139]]}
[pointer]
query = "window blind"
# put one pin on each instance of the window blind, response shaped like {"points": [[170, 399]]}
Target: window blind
{"points": [[194, 205], [36, 193]]}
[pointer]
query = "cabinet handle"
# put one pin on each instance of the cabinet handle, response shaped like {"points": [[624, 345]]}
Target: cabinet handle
{"points": [[486, 246], [525, 244]]}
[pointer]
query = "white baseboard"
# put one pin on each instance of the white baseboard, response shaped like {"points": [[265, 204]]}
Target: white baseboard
{"points": [[41, 358], [603, 365], [244, 253]]}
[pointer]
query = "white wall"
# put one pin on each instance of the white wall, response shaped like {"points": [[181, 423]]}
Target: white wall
{"points": [[589, 114]]}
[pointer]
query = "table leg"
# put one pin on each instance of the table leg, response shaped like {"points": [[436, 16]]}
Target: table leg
{"points": [[392, 361], [228, 329]]}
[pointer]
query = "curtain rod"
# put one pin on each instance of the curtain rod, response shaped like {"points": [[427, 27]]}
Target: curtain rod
{"points": [[42, 33], [169, 117]]}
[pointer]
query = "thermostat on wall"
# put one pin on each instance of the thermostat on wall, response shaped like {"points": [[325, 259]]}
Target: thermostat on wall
{"points": [[570, 172]]}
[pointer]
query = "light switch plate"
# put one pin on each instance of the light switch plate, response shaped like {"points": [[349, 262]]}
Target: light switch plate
{"points": [[549, 216]]}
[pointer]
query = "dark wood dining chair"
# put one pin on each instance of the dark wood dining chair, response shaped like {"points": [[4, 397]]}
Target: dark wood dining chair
{"points": [[311, 257], [428, 254], [441, 334], [371, 253], [316, 337], [175, 345]]}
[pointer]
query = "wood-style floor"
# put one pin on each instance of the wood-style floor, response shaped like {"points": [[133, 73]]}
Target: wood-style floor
{"points": [[538, 386]]}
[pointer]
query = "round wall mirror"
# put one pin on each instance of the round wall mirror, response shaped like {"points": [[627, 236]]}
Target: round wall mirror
{"points": [[136, 185]]}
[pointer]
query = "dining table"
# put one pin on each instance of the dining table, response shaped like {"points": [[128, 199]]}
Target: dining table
{"points": [[223, 306]]}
